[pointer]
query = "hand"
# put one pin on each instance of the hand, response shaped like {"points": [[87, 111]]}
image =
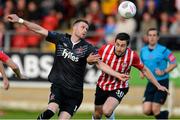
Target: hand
{"points": [[162, 88], [93, 58], [5, 83], [123, 77], [141, 75], [13, 18], [159, 72]]}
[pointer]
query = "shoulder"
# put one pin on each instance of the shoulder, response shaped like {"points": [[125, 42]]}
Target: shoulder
{"points": [[162, 48], [105, 45], [129, 50], [55, 33], [144, 48]]}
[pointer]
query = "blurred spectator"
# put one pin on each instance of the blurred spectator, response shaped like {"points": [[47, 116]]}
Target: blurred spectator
{"points": [[109, 28], [33, 40], [19, 39], [175, 27], [51, 21], [34, 13], [9, 8], [95, 33], [92, 26], [21, 8], [94, 10], [81, 8], [147, 22], [151, 8], [47, 5], [125, 25], [164, 23], [68, 11], [2, 31], [140, 9], [109, 7]]}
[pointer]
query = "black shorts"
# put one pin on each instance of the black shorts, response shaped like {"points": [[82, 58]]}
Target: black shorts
{"points": [[152, 94], [67, 100], [101, 95]]}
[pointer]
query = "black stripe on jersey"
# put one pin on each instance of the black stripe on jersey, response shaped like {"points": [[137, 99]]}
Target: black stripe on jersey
{"points": [[164, 50]]}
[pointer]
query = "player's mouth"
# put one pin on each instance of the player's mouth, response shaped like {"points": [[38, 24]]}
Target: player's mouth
{"points": [[84, 34]]}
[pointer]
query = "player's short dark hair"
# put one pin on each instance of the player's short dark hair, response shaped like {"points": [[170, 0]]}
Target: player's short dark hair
{"points": [[123, 37], [153, 29], [80, 20]]}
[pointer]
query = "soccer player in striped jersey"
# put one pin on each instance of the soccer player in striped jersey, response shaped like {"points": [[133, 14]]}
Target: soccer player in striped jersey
{"points": [[109, 90], [10, 63], [156, 57]]}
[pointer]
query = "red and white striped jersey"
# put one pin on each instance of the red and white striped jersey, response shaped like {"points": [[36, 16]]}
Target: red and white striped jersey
{"points": [[121, 64]]}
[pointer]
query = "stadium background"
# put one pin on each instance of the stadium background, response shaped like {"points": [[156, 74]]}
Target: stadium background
{"points": [[34, 55]]}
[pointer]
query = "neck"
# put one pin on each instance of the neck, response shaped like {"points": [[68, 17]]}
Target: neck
{"points": [[152, 46], [74, 39], [120, 54]]}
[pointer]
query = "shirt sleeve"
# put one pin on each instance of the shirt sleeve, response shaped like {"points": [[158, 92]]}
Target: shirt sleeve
{"points": [[169, 56], [137, 62], [92, 49], [3, 56], [53, 37], [101, 50]]}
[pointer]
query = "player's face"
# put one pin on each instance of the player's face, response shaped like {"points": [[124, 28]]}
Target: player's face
{"points": [[80, 29], [120, 46], [152, 37]]}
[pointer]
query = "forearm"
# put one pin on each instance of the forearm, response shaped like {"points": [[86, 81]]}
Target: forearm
{"points": [[150, 76], [17, 72], [2, 70], [105, 68], [10, 63], [170, 68], [36, 28], [32, 26]]}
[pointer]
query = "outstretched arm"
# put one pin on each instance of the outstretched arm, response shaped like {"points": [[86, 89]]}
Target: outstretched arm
{"points": [[32, 26], [5, 79], [102, 66], [95, 59], [150, 77]]}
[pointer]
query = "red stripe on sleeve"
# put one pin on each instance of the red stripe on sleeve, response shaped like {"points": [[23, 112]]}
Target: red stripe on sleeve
{"points": [[3, 56]]}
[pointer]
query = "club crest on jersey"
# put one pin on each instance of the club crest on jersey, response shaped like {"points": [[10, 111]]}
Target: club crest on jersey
{"points": [[70, 55], [124, 65], [79, 50]]}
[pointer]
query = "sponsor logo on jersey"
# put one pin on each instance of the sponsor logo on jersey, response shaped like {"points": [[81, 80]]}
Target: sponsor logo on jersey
{"points": [[70, 55]]}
